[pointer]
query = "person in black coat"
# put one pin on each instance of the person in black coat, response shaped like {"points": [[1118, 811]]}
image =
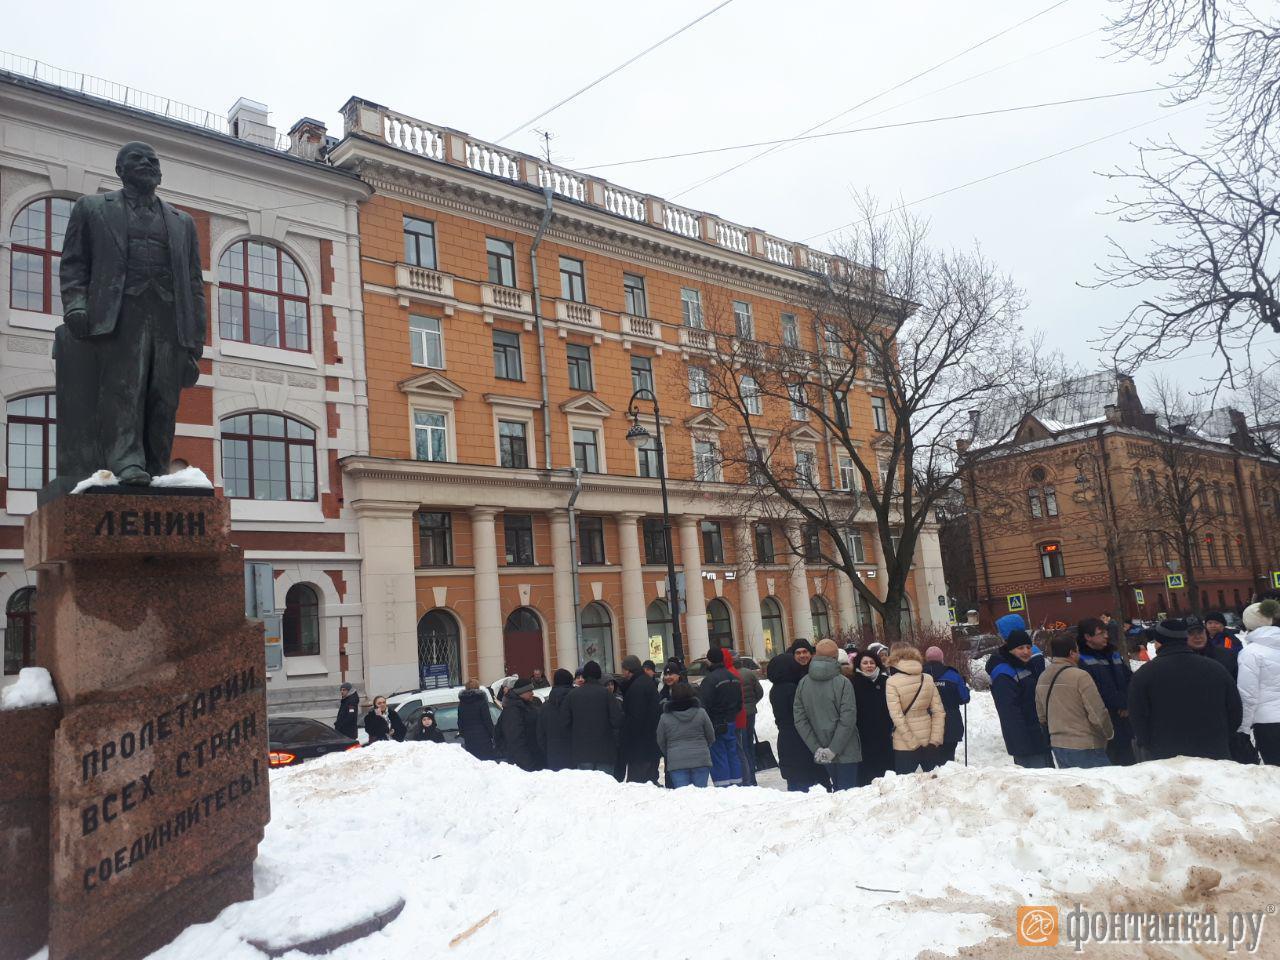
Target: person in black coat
{"points": [[426, 730], [381, 723], [553, 724], [640, 715], [875, 727], [475, 722], [1198, 641], [594, 717], [1182, 704], [1108, 666], [348, 722], [795, 760], [516, 738]]}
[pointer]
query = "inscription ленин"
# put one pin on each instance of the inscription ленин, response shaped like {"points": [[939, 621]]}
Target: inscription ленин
{"points": [[151, 523]]}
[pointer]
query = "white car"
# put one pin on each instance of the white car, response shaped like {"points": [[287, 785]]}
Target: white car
{"points": [[443, 702]]}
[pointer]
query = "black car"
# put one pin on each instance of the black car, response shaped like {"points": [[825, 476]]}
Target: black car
{"points": [[291, 740]]}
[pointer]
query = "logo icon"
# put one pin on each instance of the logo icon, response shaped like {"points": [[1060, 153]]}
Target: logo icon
{"points": [[1037, 926]]}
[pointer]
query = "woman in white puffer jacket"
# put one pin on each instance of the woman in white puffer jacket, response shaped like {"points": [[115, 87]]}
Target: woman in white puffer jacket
{"points": [[1259, 679]]}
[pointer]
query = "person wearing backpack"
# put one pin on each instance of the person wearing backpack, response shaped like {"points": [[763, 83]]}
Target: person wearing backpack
{"points": [[1069, 705]]}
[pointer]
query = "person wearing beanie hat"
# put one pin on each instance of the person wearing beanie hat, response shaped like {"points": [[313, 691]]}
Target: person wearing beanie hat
{"points": [[1215, 627], [954, 693], [640, 714], [348, 722], [594, 720], [553, 725], [1181, 704], [651, 671], [795, 759], [672, 673], [1014, 670], [720, 694], [426, 730], [1259, 682], [826, 717], [516, 736]]}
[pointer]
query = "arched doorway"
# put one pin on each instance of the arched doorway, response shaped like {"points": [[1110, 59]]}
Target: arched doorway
{"points": [[20, 630], [522, 642], [597, 636], [719, 626], [301, 621], [439, 653], [820, 614], [775, 638], [658, 616]]}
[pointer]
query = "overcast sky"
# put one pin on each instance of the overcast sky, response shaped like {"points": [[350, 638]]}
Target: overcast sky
{"points": [[754, 70]]}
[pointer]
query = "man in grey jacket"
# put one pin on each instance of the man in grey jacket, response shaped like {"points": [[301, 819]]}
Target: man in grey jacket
{"points": [[826, 717]]}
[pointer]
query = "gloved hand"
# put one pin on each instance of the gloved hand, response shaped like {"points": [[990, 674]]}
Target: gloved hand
{"points": [[824, 755]]}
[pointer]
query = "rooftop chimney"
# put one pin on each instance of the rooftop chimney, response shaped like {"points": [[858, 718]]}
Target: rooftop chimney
{"points": [[306, 139], [249, 121]]}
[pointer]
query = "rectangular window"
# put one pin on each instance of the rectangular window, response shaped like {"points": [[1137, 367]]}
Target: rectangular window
{"points": [[743, 322], [655, 541], [831, 341], [647, 458], [633, 292], [506, 356], [642, 374], [1051, 564], [857, 549], [590, 541], [750, 392], [706, 460], [699, 387], [518, 534], [426, 343], [1050, 501], [579, 367], [812, 544], [1211, 549], [879, 414], [573, 281], [796, 392], [586, 456], [691, 307], [753, 456], [805, 472], [420, 243], [513, 446], [764, 544], [430, 436], [848, 475], [712, 542], [840, 407], [790, 331], [1228, 560], [435, 539], [1034, 502], [502, 261]]}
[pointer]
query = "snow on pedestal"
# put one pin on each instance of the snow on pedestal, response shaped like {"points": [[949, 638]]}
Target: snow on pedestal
{"points": [[34, 688], [188, 477]]}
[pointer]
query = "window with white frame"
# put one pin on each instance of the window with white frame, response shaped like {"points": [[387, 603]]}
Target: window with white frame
{"points": [[430, 436], [647, 458], [755, 458], [882, 470], [420, 242], [706, 460], [848, 473], [573, 280], [751, 396], [879, 414], [691, 307], [796, 392], [636, 303], [743, 322], [699, 387], [857, 549], [790, 330], [513, 444], [831, 341], [426, 342], [806, 471], [501, 257], [642, 373], [586, 450], [579, 358]]}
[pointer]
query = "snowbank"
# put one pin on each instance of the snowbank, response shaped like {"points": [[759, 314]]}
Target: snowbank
{"points": [[574, 866], [33, 688]]}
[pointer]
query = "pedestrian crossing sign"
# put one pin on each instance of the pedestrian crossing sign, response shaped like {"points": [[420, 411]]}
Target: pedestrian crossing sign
{"points": [[1275, 579], [1139, 597], [1175, 581], [1017, 602]]}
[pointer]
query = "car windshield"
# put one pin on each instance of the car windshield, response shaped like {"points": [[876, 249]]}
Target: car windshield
{"points": [[299, 730]]}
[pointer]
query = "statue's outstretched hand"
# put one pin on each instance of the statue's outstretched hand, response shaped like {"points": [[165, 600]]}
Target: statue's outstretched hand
{"points": [[77, 322]]}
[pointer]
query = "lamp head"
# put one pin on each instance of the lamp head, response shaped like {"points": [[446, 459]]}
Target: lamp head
{"points": [[637, 435]]}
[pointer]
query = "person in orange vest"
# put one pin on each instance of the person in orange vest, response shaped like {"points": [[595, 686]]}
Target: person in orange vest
{"points": [[1215, 625]]}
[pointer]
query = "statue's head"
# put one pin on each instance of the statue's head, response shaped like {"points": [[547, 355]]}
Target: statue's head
{"points": [[138, 166]]}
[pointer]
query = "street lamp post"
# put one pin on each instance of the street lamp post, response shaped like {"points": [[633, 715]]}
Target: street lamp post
{"points": [[637, 436]]}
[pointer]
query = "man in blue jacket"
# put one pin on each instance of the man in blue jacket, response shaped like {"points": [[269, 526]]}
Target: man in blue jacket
{"points": [[1014, 670], [1109, 668], [955, 693]]}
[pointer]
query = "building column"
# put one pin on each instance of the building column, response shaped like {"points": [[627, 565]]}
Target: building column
{"points": [[930, 582], [695, 609], [390, 596], [562, 585], [801, 619], [846, 601], [484, 546], [752, 640], [635, 619]]}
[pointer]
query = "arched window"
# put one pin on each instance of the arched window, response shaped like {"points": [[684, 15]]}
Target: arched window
{"points": [[719, 626], [38, 231], [1231, 499], [658, 616], [821, 617], [20, 630], [266, 456], [775, 638], [262, 297], [439, 650], [522, 641], [597, 636], [33, 441], [1218, 505], [301, 621], [1042, 500]]}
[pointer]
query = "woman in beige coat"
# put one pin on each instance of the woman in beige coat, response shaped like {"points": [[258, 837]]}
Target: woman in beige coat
{"points": [[916, 709]]}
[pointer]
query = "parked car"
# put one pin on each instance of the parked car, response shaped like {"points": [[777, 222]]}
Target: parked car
{"points": [[291, 740], [443, 702]]}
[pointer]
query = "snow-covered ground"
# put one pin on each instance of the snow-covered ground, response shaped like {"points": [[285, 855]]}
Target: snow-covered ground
{"points": [[575, 865]]}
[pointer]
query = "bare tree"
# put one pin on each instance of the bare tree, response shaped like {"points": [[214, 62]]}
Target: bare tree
{"points": [[911, 349]]}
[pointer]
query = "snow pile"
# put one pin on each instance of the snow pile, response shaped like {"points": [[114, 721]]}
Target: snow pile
{"points": [[33, 688], [190, 477], [100, 478], [574, 866]]}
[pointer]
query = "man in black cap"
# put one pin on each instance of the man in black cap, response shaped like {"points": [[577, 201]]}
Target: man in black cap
{"points": [[348, 722], [1181, 704], [640, 714], [720, 694], [1215, 625], [1198, 641], [594, 718], [1014, 670]]}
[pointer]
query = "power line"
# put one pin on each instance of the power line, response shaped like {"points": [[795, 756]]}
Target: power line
{"points": [[882, 93], [606, 76], [882, 126], [1000, 173]]}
